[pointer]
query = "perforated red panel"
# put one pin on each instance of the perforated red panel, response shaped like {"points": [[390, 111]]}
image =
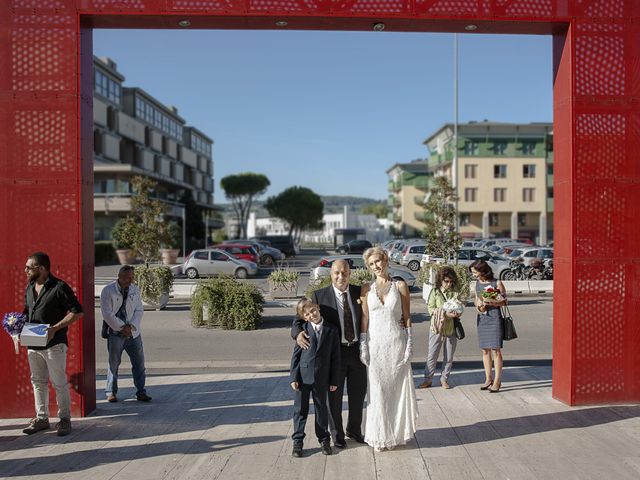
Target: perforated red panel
{"points": [[45, 125]]}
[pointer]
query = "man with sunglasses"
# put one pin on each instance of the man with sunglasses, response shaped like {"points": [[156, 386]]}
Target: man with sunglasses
{"points": [[49, 300]]}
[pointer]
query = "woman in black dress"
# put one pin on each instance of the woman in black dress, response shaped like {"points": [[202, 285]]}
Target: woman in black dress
{"points": [[489, 322]]}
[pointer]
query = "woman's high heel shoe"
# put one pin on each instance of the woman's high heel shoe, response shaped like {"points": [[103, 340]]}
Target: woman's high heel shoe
{"points": [[495, 390], [487, 385]]}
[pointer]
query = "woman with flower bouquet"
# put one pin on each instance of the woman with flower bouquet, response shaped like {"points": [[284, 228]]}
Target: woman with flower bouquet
{"points": [[490, 295]]}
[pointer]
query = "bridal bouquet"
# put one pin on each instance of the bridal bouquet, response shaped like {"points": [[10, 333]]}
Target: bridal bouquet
{"points": [[453, 306], [491, 295], [12, 323]]}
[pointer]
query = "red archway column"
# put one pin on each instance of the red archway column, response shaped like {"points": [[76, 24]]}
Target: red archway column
{"points": [[596, 332], [46, 182]]}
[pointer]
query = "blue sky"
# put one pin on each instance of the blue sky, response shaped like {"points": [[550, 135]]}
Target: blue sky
{"points": [[331, 111]]}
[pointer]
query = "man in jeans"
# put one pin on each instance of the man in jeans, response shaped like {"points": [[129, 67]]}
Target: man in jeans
{"points": [[49, 300], [121, 307]]}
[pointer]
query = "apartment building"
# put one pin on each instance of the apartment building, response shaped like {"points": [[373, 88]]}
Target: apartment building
{"points": [[408, 185], [136, 134], [504, 177]]}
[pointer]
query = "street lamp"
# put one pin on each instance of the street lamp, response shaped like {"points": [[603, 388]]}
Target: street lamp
{"points": [[454, 165]]}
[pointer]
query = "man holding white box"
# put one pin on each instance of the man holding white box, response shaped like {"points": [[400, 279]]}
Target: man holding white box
{"points": [[49, 301]]}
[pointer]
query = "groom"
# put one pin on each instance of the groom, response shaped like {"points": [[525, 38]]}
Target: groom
{"points": [[340, 306]]}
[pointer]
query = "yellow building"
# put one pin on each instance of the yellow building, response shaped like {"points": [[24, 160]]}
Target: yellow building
{"points": [[408, 185], [504, 177]]}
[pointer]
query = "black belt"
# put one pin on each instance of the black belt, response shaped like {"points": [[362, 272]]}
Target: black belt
{"points": [[350, 344]]}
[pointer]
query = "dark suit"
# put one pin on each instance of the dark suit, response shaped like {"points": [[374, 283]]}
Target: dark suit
{"points": [[351, 368], [315, 369]]}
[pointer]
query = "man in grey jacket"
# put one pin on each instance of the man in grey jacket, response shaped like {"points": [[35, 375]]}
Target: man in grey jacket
{"points": [[121, 307]]}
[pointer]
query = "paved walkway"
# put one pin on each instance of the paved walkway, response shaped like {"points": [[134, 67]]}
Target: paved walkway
{"points": [[238, 426]]}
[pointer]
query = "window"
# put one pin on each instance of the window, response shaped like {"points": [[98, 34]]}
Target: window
{"points": [[529, 171], [201, 255], [494, 220], [499, 194], [153, 116], [219, 257], [499, 171], [528, 194], [529, 148], [470, 171], [522, 219], [499, 148], [471, 148], [549, 192], [550, 169], [465, 219], [470, 194], [106, 87]]}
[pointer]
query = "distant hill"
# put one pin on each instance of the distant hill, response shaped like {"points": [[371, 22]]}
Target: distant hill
{"points": [[332, 204]]}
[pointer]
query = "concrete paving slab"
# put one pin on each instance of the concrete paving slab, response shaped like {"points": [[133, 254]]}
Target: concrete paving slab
{"points": [[238, 425]]}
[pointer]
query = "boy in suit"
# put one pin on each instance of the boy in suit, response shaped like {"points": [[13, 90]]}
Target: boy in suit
{"points": [[314, 372]]}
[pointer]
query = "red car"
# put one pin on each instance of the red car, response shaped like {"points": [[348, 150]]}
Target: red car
{"points": [[240, 251]]}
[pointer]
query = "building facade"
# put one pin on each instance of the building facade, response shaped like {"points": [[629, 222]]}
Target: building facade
{"points": [[504, 177], [408, 185], [136, 134]]}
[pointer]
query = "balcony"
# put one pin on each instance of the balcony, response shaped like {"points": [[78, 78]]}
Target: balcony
{"points": [[419, 200], [397, 218], [422, 184], [394, 186], [422, 216]]}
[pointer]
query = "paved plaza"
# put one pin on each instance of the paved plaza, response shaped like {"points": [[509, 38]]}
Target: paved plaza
{"points": [[238, 426]]}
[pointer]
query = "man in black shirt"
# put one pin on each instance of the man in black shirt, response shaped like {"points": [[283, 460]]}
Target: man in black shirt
{"points": [[51, 301]]}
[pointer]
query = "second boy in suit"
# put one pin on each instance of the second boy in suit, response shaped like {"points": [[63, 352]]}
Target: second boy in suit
{"points": [[314, 372]]}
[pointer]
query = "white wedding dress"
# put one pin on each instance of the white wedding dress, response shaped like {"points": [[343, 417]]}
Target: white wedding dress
{"points": [[391, 410]]}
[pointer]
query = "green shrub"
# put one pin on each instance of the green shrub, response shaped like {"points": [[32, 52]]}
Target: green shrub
{"points": [[104, 253], [284, 276], [153, 281], [231, 304]]}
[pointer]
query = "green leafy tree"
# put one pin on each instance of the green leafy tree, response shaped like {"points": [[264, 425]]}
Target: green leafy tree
{"points": [[380, 210], [241, 189], [144, 229], [441, 235], [300, 207]]}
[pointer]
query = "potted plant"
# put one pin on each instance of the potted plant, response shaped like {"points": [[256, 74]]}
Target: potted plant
{"points": [[145, 229], [122, 244], [226, 303], [283, 283], [170, 246]]}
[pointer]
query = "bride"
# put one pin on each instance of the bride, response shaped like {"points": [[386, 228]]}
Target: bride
{"points": [[386, 348]]}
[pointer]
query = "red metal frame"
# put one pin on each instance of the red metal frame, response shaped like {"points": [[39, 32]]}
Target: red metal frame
{"points": [[46, 158]]}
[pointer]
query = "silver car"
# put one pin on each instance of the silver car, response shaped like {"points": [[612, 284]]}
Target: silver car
{"points": [[323, 268], [212, 261], [411, 256]]}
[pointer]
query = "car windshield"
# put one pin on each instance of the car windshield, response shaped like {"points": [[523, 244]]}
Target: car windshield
{"points": [[515, 253]]}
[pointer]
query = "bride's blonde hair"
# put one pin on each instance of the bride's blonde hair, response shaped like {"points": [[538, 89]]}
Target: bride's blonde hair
{"points": [[370, 252]]}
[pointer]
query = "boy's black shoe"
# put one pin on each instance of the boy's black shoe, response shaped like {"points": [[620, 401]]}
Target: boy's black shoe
{"points": [[297, 451], [326, 448]]}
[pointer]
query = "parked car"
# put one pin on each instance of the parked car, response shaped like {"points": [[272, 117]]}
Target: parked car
{"points": [[354, 246], [496, 241], [466, 256], [396, 255], [267, 254], [284, 243], [323, 268], [216, 262], [241, 251], [530, 254], [411, 255]]}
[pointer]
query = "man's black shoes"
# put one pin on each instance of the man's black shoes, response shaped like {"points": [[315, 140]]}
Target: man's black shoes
{"points": [[326, 448], [297, 451], [340, 444], [143, 397]]}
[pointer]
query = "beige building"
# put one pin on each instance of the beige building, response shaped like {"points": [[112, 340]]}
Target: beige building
{"points": [[136, 134], [504, 177], [408, 185]]}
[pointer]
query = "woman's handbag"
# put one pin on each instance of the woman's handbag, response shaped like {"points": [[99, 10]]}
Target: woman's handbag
{"points": [[508, 328], [457, 325]]}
